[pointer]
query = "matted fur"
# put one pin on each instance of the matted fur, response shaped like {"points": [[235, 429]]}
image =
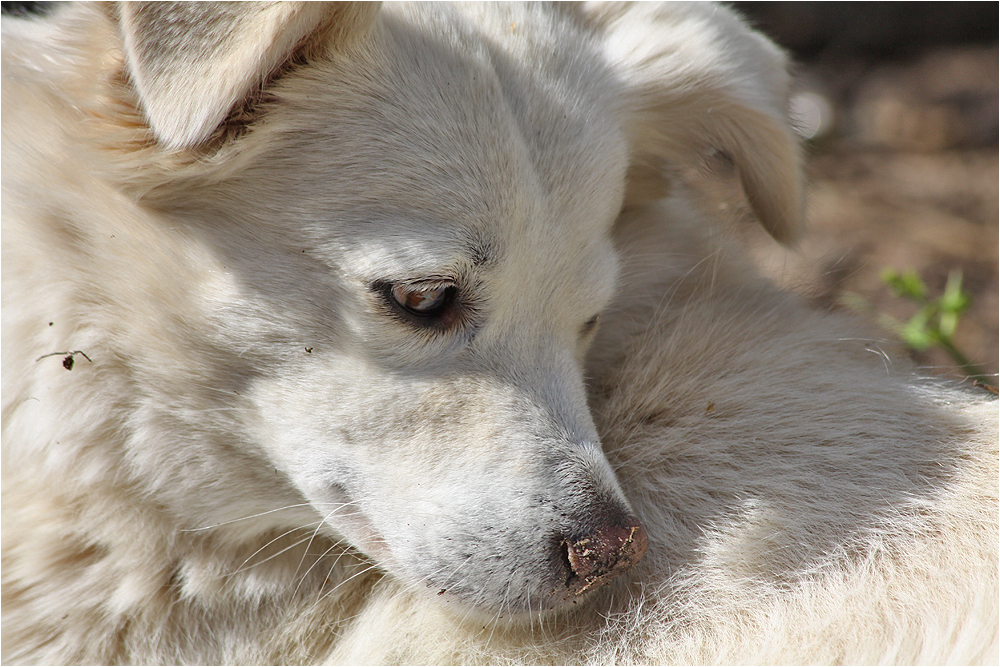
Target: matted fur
{"points": [[204, 235]]}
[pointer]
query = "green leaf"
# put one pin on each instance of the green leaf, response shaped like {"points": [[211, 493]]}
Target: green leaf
{"points": [[954, 300], [906, 284], [916, 333]]}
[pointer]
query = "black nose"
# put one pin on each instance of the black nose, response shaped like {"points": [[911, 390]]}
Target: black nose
{"points": [[599, 557]]}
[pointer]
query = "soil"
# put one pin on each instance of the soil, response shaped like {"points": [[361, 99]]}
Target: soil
{"points": [[902, 164]]}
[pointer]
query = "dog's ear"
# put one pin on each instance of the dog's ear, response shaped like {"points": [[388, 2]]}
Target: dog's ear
{"points": [[191, 62], [696, 79]]}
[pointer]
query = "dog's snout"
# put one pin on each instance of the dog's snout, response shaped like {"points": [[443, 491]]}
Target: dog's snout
{"points": [[602, 555]]}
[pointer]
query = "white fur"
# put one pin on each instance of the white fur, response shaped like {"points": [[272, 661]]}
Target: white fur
{"points": [[259, 460]]}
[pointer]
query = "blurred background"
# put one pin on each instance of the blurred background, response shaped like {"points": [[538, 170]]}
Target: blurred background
{"points": [[898, 106], [898, 103]]}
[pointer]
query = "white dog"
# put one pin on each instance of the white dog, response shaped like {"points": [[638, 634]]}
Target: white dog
{"points": [[301, 355]]}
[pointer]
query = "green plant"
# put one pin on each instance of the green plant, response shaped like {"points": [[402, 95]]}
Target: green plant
{"points": [[936, 319]]}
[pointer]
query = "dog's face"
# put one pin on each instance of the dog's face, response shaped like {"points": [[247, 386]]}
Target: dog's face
{"points": [[439, 421], [414, 247]]}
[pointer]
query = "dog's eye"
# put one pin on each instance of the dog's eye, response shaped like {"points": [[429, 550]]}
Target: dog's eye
{"points": [[422, 300]]}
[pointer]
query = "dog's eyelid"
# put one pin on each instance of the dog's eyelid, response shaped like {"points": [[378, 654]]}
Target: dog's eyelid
{"points": [[430, 281], [434, 282]]}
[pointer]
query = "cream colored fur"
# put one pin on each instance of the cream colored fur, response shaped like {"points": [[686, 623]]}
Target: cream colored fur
{"points": [[230, 474]]}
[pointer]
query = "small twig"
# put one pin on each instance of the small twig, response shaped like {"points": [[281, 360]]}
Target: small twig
{"points": [[67, 358], [969, 368], [988, 387]]}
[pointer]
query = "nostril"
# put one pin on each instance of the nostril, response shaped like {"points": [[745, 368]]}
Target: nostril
{"points": [[597, 558]]}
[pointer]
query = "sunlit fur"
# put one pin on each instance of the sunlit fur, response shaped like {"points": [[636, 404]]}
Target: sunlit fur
{"points": [[255, 459]]}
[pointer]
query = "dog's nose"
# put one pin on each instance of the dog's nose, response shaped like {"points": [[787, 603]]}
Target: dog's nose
{"points": [[598, 558]]}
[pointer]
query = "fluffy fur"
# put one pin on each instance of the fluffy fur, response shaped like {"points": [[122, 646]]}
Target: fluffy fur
{"points": [[224, 443]]}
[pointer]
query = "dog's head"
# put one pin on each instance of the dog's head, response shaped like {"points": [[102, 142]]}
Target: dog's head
{"points": [[411, 214]]}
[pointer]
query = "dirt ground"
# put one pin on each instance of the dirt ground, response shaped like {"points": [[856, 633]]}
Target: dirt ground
{"points": [[903, 173]]}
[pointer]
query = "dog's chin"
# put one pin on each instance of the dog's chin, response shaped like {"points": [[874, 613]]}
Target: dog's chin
{"points": [[528, 609], [553, 591], [565, 572], [549, 595]]}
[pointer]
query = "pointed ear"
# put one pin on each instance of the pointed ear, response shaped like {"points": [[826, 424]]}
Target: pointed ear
{"points": [[192, 62], [696, 79]]}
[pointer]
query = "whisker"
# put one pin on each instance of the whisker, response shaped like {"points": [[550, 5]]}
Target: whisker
{"points": [[312, 537], [245, 518], [241, 567], [326, 594]]}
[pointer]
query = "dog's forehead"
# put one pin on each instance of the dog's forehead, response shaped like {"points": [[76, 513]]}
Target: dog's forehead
{"points": [[432, 122]]}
